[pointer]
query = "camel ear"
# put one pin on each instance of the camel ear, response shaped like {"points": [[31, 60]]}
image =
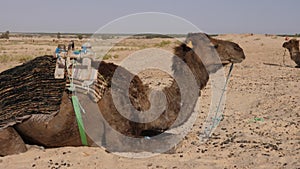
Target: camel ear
{"points": [[190, 44]]}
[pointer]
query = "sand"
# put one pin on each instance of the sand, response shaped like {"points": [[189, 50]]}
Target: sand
{"points": [[260, 128]]}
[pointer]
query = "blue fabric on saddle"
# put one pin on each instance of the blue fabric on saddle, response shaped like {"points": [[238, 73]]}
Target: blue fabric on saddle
{"points": [[58, 50], [76, 52]]}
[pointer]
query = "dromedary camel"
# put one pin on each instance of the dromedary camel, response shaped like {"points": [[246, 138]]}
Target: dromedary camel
{"points": [[293, 47], [35, 108]]}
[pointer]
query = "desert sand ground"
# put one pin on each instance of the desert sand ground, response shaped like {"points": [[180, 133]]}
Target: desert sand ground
{"points": [[260, 88]]}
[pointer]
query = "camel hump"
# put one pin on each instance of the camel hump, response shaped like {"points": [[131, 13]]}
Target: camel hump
{"points": [[34, 90]]}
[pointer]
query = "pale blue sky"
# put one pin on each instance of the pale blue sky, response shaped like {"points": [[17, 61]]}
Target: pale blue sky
{"points": [[212, 16]]}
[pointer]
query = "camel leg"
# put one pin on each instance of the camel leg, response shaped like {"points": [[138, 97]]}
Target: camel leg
{"points": [[11, 142], [61, 130]]}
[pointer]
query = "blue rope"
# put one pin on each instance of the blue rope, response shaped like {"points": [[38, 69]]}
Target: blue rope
{"points": [[216, 120]]}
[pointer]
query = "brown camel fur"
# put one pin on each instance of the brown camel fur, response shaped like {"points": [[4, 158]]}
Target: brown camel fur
{"points": [[293, 47], [39, 122], [229, 52]]}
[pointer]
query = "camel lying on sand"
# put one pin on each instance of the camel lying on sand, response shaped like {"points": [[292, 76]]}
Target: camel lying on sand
{"points": [[36, 108], [293, 47]]}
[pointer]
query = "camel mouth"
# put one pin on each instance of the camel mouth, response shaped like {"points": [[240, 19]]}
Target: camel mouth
{"points": [[226, 62], [235, 60]]}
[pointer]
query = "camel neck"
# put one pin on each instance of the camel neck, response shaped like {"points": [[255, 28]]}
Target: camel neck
{"points": [[294, 51]]}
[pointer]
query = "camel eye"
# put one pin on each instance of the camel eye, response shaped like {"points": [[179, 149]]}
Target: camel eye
{"points": [[216, 46]]}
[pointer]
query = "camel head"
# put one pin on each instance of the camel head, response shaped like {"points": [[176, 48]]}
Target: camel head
{"points": [[228, 52], [205, 55], [292, 45]]}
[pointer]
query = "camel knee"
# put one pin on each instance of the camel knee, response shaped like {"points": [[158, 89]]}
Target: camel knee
{"points": [[11, 142]]}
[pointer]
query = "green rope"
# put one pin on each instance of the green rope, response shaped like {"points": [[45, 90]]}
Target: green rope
{"points": [[77, 110]]}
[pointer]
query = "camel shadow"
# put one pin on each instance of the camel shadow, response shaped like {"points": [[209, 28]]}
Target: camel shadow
{"points": [[274, 64]]}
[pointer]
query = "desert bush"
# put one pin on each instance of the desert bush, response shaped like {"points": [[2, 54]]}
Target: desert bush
{"points": [[79, 36], [106, 56], [116, 56], [23, 59], [120, 49], [143, 46], [151, 36], [58, 35], [163, 43], [109, 56], [5, 35], [4, 58], [107, 36]]}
